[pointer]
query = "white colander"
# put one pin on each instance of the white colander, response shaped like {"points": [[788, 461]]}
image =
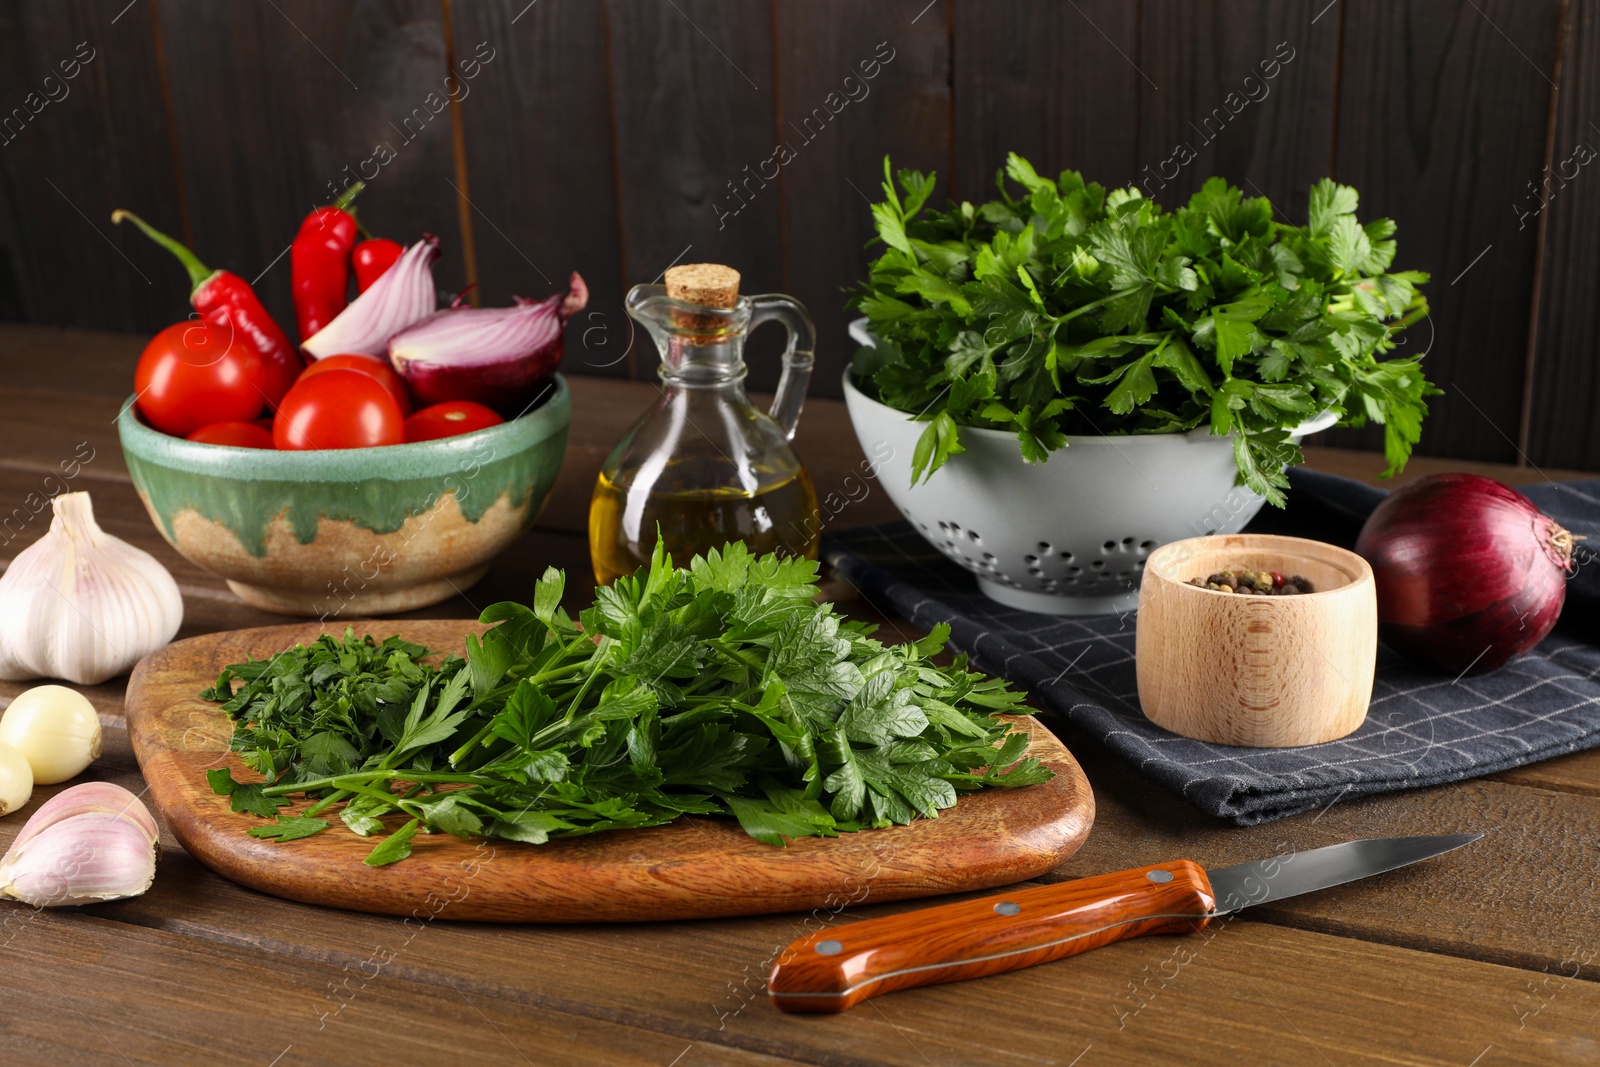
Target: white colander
{"points": [[1068, 536]]}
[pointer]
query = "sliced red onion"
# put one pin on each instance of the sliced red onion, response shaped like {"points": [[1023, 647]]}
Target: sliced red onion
{"points": [[402, 296], [494, 356]]}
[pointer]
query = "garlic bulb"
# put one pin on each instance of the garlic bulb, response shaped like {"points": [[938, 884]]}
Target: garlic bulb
{"points": [[90, 843], [82, 605], [16, 779], [56, 728]]}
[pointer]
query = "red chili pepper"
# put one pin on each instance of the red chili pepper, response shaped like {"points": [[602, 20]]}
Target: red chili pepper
{"points": [[372, 258], [224, 299], [319, 264]]}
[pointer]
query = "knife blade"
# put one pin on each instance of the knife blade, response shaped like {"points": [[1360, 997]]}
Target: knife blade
{"points": [[832, 970]]}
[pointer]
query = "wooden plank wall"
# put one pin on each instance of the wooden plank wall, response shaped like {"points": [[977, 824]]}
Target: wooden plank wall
{"points": [[616, 138]]}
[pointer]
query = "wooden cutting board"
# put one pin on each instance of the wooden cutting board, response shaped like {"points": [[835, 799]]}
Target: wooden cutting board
{"points": [[697, 867]]}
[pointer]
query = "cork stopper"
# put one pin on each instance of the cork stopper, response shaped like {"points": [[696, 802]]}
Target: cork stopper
{"points": [[708, 284]]}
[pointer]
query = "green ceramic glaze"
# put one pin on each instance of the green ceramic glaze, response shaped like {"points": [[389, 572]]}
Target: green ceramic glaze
{"points": [[244, 489]]}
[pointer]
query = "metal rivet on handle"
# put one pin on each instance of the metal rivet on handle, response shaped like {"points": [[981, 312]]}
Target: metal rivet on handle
{"points": [[1159, 876], [829, 947], [1008, 907]]}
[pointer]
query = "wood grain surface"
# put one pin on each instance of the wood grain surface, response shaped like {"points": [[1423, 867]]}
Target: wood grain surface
{"points": [[831, 971], [824, 50], [1564, 202], [1247, 90], [343, 92], [692, 868], [87, 145], [1057, 83], [1423, 156], [695, 104], [540, 160]]}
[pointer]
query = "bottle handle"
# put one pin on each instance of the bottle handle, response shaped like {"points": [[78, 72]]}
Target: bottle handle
{"points": [[798, 355]]}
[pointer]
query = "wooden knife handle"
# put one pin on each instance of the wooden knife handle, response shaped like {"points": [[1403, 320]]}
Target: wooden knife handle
{"points": [[834, 969]]}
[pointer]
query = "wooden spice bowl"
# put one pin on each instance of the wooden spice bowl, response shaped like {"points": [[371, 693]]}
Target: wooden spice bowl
{"points": [[1247, 669]]}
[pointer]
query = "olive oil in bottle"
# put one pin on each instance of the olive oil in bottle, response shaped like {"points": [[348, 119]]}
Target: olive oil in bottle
{"points": [[779, 518], [703, 465]]}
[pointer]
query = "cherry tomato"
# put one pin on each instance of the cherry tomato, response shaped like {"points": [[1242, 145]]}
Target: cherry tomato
{"points": [[191, 374], [377, 368], [448, 419], [338, 409], [237, 434]]}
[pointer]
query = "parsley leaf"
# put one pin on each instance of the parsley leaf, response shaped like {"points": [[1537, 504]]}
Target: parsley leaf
{"points": [[243, 796], [395, 847], [290, 828]]}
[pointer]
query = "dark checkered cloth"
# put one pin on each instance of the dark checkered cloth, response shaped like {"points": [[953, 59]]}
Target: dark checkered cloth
{"points": [[1422, 729]]}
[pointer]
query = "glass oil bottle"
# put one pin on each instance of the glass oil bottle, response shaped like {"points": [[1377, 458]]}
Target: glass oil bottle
{"points": [[702, 463]]}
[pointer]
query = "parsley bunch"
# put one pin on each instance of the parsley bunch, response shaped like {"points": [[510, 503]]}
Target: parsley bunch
{"points": [[1070, 310], [723, 688]]}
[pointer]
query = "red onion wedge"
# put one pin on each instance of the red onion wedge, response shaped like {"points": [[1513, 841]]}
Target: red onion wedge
{"points": [[1469, 572], [402, 296], [493, 356]]}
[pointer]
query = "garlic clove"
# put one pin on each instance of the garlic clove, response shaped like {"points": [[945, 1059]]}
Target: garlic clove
{"points": [[16, 779], [56, 728], [95, 856], [103, 797], [81, 604]]}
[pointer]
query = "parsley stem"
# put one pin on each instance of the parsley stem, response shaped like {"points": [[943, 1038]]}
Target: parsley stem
{"points": [[555, 672], [380, 794], [477, 739], [473, 761], [323, 804], [738, 657], [353, 780], [601, 655], [1075, 312], [551, 675]]}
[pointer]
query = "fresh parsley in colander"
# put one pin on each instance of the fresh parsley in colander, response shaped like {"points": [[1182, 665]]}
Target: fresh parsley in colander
{"points": [[1069, 309]]}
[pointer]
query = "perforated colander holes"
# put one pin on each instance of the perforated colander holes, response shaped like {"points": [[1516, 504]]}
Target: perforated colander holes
{"points": [[1036, 560], [955, 530]]}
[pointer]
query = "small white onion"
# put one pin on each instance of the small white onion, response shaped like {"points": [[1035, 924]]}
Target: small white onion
{"points": [[16, 779], [56, 729]]}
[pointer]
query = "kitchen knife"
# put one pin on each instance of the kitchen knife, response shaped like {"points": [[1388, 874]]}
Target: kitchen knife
{"points": [[832, 970]]}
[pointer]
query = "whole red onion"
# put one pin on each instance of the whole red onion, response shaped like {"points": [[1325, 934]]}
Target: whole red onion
{"points": [[1469, 572]]}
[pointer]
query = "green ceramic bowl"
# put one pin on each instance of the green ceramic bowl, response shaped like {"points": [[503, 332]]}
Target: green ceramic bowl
{"points": [[372, 530]]}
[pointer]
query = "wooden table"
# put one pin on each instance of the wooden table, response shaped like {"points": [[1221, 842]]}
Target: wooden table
{"points": [[1486, 958]]}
